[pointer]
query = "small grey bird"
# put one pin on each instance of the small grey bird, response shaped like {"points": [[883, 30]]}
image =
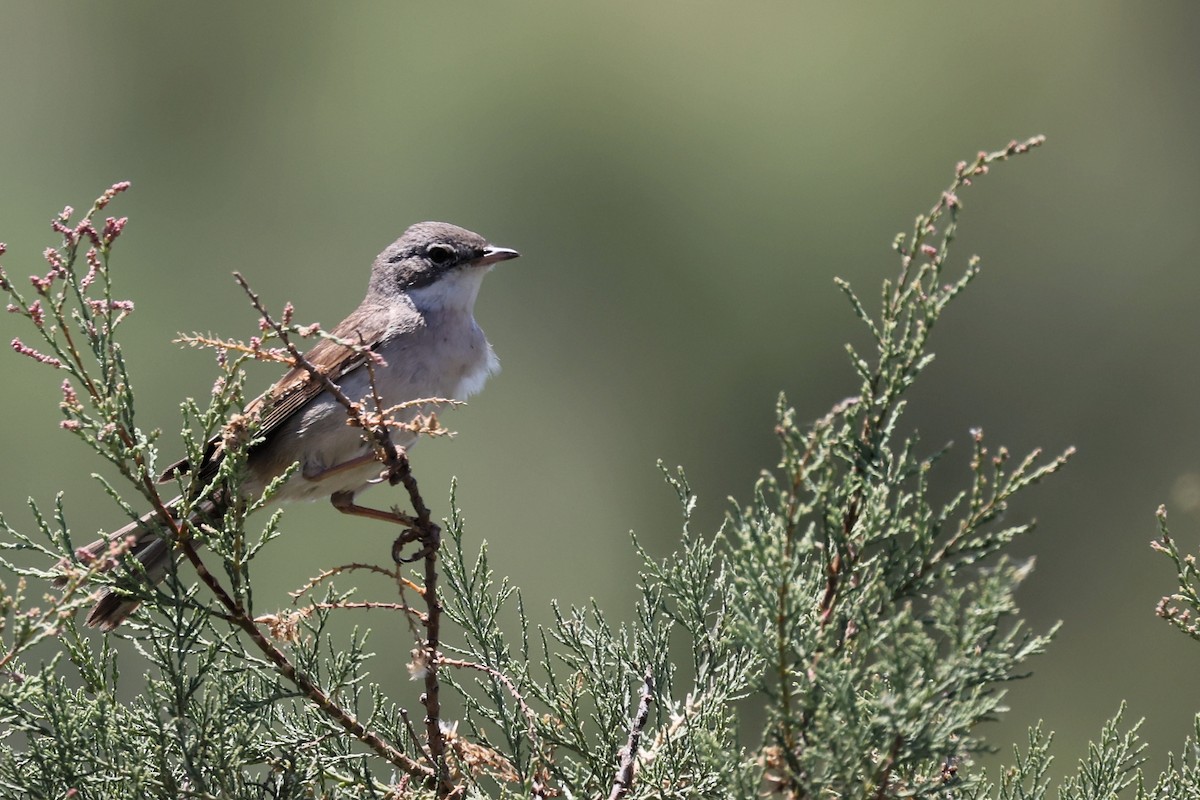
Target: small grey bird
{"points": [[418, 315]]}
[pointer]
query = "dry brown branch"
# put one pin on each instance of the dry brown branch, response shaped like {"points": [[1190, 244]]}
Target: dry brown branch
{"points": [[326, 574]]}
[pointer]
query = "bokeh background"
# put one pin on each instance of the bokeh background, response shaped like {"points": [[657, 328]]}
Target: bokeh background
{"points": [[684, 181]]}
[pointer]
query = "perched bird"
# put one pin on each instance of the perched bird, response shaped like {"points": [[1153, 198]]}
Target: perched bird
{"points": [[418, 316]]}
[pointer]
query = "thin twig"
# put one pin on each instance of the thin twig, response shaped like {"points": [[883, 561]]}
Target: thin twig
{"points": [[530, 715], [362, 605], [623, 781], [430, 537], [412, 732], [326, 574]]}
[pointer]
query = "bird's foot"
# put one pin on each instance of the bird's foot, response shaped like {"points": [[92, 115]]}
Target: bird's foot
{"points": [[430, 537]]}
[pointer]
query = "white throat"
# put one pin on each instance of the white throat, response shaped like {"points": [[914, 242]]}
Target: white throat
{"points": [[453, 292], [447, 306]]}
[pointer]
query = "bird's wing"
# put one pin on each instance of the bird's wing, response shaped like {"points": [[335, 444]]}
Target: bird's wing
{"points": [[298, 387]]}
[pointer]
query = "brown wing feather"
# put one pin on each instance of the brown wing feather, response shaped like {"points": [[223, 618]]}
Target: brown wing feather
{"points": [[297, 387]]}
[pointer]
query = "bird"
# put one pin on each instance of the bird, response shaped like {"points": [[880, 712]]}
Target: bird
{"points": [[418, 318]]}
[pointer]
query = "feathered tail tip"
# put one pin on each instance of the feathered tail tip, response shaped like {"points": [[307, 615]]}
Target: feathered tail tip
{"points": [[147, 547], [111, 608], [110, 611]]}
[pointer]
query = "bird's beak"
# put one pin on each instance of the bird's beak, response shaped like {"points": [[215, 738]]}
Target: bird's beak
{"points": [[491, 255]]}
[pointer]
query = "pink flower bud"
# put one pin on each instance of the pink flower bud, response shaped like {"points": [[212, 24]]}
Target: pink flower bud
{"points": [[111, 192], [69, 396], [113, 228], [85, 228], [93, 262], [54, 259], [26, 350]]}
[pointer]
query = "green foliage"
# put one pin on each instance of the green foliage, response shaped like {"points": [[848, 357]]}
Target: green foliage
{"points": [[885, 638], [842, 636], [590, 674]]}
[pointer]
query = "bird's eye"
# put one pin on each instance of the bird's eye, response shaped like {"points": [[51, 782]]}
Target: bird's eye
{"points": [[439, 253]]}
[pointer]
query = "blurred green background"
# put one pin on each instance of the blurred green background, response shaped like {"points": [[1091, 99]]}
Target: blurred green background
{"points": [[684, 181]]}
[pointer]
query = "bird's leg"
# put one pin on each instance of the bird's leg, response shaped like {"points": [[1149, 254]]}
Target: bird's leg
{"points": [[344, 502], [395, 468]]}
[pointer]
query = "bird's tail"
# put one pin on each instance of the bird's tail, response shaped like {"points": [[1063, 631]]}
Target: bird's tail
{"points": [[148, 547]]}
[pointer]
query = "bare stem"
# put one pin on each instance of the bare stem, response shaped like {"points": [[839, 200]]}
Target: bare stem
{"points": [[623, 781], [430, 536]]}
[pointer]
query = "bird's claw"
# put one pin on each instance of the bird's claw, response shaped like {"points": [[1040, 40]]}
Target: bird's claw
{"points": [[430, 538]]}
